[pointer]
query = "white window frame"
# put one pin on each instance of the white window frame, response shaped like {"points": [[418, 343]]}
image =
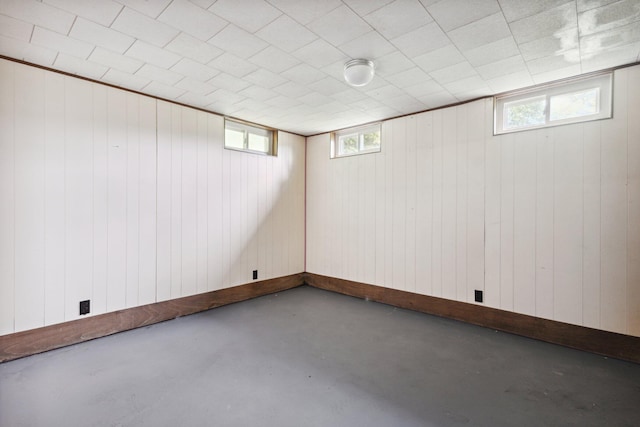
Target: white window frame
{"points": [[603, 82], [251, 129], [360, 131]]}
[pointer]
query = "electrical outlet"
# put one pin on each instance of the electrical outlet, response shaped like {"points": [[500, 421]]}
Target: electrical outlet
{"points": [[85, 307], [255, 274], [478, 295]]}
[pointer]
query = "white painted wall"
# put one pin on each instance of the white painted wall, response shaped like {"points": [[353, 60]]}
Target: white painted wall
{"points": [[546, 222], [124, 200]]}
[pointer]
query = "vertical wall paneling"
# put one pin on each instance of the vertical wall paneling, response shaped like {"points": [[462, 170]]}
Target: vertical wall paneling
{"points": [[614, 210], [188, 200], [147, 201], [202, 183], [176, 201], [410, 209], [29, 198], [252, 214], [100, 200], [461, 201], [524, 230], [297, 178], [399, 201], [54, 203], [133, 200], [492, 222], [633, 191], [215, 139], [507, 151], [7, 197], [568, 224], [424, 202], [388, 132], [436, 243], [449, 202], [163, 202], [381, 187], [591, 225], [117, 197]]}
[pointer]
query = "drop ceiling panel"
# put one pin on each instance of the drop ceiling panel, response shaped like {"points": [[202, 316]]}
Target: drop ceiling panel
{"points": [[281, 61]]}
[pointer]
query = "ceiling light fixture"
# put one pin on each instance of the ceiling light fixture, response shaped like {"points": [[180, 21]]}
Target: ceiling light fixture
{"points": [[359, 72]]}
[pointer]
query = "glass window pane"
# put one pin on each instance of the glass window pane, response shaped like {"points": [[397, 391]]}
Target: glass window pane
{"points": [[234, 138], [371, 141], [524, 113], [576, 104], [258, 143], [348, 144]]}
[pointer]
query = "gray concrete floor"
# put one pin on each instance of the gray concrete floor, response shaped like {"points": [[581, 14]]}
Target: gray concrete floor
{"points": [[307, 357]]}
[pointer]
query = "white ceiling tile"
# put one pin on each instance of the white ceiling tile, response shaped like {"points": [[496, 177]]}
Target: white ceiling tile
{"points": [[192, 19], [518, 9], [193, 48], [491, 52], [486, 30], [548, 63], [258, 93], [512, 65], [52, 40], [227, 81], [98, 35], [370, 45], [231, 64], [292, 89], [205, 4], [460, 88], [125, 80], [510, 82], [607, 40], [608, 17], [424, 88], [150, 8], [328, 86], [451, 14], [364, 7], [152, 54], [195, 70], [304, 11], [303, 74], [102, 12], [398, 18], [75, 65], [235, 40], [421, 40], [265, 78], [557, 44], [114, 60], [439, 58], [250, 15], [544, 24], [438, 99], [319, 54], [274, 59], [339, 26], [162, 90], [286, 34], [225, 96], [557, 74], [583, 5], [15, 28], [455, 72], [144, 28], [384, 92], [408, 77], [195, 86], [610, 58], [348, 96], [282, 102], [194, 99], [393, 63], [158, 74], [39, 14]]}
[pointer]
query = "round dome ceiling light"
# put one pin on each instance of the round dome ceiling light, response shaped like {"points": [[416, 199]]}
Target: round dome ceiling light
{"points": [[359, 72]]}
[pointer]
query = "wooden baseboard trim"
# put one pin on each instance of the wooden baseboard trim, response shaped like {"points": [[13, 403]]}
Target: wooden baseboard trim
{"points": [[26, 343], [610, 344]]}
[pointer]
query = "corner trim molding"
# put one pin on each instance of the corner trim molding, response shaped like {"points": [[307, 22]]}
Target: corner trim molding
{"points": [[610, 344], [33, 341]]}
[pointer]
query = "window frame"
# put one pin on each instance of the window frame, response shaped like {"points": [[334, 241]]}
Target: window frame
{"points": [[251, 129], [602, 81], [360, 131]]}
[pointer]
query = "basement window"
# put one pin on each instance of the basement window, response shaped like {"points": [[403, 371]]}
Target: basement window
{"points": [[251, 138], [578, 100], [354, 141]]}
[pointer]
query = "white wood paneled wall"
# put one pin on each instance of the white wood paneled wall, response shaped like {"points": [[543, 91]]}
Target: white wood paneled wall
{"points": [[124, 200], [546, 222]]}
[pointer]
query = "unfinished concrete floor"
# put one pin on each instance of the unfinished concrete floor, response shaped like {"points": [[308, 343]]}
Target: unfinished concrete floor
{"points": [[307, 357]]}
